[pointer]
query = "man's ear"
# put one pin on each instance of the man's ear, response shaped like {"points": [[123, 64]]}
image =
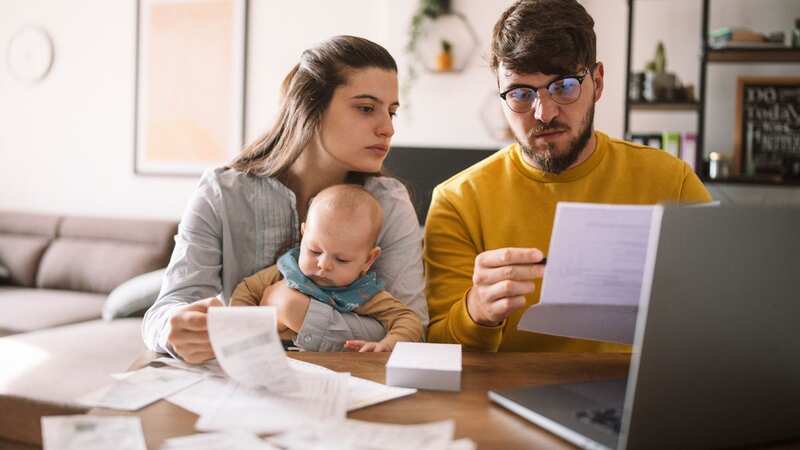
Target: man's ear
{"points": [[373, 255], [597, 76]]}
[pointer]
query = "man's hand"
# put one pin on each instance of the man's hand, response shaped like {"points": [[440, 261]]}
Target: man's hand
{"points": [[188, 334], [500, 281], [355, 345], [290, 305]]}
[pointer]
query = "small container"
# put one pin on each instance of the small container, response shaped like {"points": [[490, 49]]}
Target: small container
{"points": [[717, 166], [796, 33]]}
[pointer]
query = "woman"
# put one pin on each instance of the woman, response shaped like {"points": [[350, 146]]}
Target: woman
{"points": [[334, 125]]}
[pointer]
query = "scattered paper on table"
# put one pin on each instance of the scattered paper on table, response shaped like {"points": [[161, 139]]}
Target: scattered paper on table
{"points": [[363, 393], [358, 434], [140, 388], [211, 367], [246, 343], [81, 432], [218, 441], [320, 397]]}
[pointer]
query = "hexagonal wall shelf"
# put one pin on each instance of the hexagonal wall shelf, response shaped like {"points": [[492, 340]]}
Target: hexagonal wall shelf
{"points": [[453, 28]]}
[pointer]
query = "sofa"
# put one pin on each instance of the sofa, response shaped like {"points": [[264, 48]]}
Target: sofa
{"points": [[60, 277]]}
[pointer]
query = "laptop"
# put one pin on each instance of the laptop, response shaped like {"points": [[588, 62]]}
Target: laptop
{"points": [[716, 356]]}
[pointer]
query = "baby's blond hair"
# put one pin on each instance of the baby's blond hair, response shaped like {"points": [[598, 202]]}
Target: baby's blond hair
{"points": [[352, 200]]}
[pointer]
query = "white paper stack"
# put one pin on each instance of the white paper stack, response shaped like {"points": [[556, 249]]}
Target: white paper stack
{"points": [[425, 366]]}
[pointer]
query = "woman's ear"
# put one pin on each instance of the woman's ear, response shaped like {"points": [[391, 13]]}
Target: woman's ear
{"points": [[373, 255]]}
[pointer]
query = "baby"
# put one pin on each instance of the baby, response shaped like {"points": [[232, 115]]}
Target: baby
{"points": [[331, 265]]}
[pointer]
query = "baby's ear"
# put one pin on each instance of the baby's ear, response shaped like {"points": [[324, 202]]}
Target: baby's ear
{"points": [[373, 255], [302, 228]]}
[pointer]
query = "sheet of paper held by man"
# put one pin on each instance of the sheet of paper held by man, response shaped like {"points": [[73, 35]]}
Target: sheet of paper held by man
{"points": [[593, 277], [81, 432], [246, 343]]}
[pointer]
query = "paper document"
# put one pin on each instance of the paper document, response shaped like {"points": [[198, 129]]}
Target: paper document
{"points": [[246, 343], [218, 441], [319, 397], [211, 367], [356, 434], [595, 267], [597, 254], [81, 432], [362, 393], [203, 397], [137, 389]]}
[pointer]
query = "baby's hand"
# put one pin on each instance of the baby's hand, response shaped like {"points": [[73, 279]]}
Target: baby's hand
{"points": [[356, 345]]}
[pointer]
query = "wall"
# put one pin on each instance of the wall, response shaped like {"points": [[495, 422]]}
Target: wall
{"points": [[66, 142]]}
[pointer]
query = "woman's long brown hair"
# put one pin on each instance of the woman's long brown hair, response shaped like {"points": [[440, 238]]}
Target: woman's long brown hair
{"points": [[306, 92]]}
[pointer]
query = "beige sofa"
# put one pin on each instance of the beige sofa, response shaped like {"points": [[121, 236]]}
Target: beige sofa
{"points": [[57, 274]]}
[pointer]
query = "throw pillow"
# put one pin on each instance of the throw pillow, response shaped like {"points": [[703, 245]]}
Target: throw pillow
{"points": [[133, 296]]}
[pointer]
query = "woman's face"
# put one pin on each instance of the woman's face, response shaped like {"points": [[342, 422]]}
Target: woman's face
{"points": [[357, 128]]}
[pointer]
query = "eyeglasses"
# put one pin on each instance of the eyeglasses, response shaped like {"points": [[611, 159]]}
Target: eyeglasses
{"points": [[563, 90]]}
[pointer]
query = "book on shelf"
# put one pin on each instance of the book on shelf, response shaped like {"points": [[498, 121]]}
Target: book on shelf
{"points": [[679, 145]]}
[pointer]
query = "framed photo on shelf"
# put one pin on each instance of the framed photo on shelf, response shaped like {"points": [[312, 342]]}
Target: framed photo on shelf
{"points": [[190, 78], [767, 127]]}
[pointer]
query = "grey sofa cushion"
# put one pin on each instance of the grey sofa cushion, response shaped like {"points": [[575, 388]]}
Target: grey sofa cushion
{"points": [[27, 309], [23, 239], [133, 296], [80, 258]]}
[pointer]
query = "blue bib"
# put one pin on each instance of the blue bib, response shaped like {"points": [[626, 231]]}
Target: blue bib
{"points": [[343, 299]]}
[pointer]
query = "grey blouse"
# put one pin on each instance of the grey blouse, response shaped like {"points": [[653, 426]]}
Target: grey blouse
{"points": [[234, 226]]}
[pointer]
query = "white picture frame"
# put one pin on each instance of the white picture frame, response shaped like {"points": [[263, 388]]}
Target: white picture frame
{"points": [[190, 84]]}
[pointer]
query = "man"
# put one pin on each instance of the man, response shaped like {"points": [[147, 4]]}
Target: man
{"points": [[489, 226]]}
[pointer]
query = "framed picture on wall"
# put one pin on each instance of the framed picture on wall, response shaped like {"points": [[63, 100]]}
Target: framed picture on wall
{"points": [[190, 80], [767, 127]]}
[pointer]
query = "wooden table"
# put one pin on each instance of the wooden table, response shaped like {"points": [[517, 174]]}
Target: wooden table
{"points": [[491, 426]]}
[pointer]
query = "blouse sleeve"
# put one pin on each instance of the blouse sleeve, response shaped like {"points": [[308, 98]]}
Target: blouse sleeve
{"points": [[194, 270]]}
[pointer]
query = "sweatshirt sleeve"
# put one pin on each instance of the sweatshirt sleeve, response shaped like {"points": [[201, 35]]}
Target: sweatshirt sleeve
{"points": [[693, 190], [399, 321], [251, 289], [449, 262]]}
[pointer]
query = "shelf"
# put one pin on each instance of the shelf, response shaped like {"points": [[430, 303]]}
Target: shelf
{"points": [[664, 106], [732, 54]]}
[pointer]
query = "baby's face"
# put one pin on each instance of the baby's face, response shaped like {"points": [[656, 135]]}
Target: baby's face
{"points": [[334, 253]]}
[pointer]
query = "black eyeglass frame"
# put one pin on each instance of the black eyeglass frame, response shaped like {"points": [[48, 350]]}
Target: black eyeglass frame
{"points": [[535, 90]]}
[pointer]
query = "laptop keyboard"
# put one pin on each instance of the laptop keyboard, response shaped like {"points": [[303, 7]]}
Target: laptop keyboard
{"points": [[609, 419]]}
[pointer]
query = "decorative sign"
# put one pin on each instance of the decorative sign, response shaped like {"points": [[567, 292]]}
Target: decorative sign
{"points": [[768, 126]]}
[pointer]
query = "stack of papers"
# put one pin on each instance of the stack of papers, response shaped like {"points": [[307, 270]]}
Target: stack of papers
{"points": [[426, 366]]}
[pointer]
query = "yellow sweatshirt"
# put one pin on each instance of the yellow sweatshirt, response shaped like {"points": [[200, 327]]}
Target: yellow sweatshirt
{"points": [[504, 202]]}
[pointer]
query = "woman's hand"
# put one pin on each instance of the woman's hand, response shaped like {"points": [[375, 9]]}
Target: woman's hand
{"points": [[290, 305], [188, 334]]}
